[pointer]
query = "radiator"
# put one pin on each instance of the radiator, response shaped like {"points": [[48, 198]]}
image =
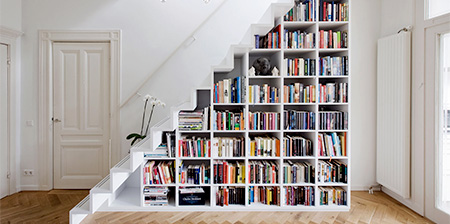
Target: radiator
{"points": [[394, 112]]}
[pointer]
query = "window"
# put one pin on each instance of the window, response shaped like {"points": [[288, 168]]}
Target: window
{"points": [[437, 8]]}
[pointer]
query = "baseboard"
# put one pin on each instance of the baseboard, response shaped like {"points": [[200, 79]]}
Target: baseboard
{"points": [[415, 206], [364, 188], [29, 188]]}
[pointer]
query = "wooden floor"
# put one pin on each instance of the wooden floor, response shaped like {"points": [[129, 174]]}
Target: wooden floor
{"points": [[54, 206]]}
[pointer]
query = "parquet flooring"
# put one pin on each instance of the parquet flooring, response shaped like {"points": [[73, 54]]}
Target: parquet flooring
{"points": [[54, 206]]}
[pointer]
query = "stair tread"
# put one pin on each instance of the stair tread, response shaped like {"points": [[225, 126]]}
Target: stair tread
{"points": [[123, 165], [83, 207], [104, 186]]}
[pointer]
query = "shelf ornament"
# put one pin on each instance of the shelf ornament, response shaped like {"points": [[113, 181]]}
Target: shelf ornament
{"points": [[153, 101]]}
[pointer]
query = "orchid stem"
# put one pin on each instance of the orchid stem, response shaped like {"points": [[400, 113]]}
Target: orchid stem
{"points": [[143, 116], [149, 119]]}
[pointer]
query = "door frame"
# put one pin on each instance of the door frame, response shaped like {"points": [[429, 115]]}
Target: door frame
{"points": [[45, 124], [432, 53], [11, 38]]}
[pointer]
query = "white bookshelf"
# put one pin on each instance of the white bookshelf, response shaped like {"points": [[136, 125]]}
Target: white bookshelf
{"points": [[243, 61]]}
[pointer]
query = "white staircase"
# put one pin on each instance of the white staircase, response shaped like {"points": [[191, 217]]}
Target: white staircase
{"points": [[103, 196]]}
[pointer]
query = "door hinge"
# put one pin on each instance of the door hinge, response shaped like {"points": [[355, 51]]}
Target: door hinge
{"points": [[8, 61], [8, 175]]}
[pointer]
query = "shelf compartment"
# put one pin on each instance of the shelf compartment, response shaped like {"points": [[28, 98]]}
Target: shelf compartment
{"points": [[263, 172], [229, 172], [268, 195], [194, 172], [226, 196], [298, 195], [298, 171], [298, 145], [197, 196]]}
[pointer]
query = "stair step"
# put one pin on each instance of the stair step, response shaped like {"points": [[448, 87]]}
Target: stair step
{"points": [[104, 186], [123, 165], [80, 211]]}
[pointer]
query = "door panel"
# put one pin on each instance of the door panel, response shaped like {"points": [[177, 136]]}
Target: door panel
{"points": [[435, 138], [81, 105], [4, 133]]}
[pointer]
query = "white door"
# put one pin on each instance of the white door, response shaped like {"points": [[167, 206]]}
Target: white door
{"points": [[4, 134], [437, 126], [81, 114]]}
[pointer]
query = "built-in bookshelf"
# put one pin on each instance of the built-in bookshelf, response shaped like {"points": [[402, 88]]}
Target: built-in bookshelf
{"points": [[276, 142]]}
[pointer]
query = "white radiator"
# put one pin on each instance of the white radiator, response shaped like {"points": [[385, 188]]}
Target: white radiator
{"points": [[393, 113]]}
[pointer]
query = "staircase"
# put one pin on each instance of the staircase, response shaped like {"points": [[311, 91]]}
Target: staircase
{"points": [[122, 176]]}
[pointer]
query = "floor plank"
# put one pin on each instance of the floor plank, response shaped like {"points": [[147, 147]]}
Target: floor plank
{"points": [[54, 206]]}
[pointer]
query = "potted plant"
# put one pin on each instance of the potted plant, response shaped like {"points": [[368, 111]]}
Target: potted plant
{"points": [[153, 101]]}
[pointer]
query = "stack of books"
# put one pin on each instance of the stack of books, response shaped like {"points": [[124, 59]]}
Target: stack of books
{"points": [[191, 120], [156, 196], [160, 152]]}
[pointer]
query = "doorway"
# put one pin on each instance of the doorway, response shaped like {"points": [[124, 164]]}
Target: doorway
{"points": [[437, 126], [65, 136], [81, 99], [4, 121]]}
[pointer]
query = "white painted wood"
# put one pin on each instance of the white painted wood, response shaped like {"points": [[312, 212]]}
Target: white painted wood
{"points": [[393, 113], [81, 114], [45, 133], [11, 38], [4, 121], [432, 51]]}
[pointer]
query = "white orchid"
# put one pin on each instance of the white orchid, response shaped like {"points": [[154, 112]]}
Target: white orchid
{"points": [[154, 102], [148, 97]]}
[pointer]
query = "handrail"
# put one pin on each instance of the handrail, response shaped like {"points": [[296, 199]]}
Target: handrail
{"points": [[191, 36]]}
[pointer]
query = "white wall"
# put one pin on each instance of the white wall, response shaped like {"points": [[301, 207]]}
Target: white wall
{"points": [[396, 14], [405, 13], [11, 14], [365, 31], [151, 30]]}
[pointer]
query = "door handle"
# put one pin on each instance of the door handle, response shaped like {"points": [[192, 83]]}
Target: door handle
{"points": [[56, 120]]}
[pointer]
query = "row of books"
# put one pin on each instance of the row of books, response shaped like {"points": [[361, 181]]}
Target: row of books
{"points": [[302, 11], [156, 196], [333, 66], [333, 93], [264, 195], [332, 172], [159, 172], [264, 120], [263, 172], [332, 144], [194, 147], [160, 152], [300, 66], [299, 39], [263, 94], [228, 120], [228, 91], [299, 195], [230, 196], [299, 120], [333, 120], [332, 196], [194, 174], [271, 40], [297, 146], [331, 11], [297, 172], [265, 146], [333, 39], [193, 120], [228, 147], [228, 172], [299, 93]]}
